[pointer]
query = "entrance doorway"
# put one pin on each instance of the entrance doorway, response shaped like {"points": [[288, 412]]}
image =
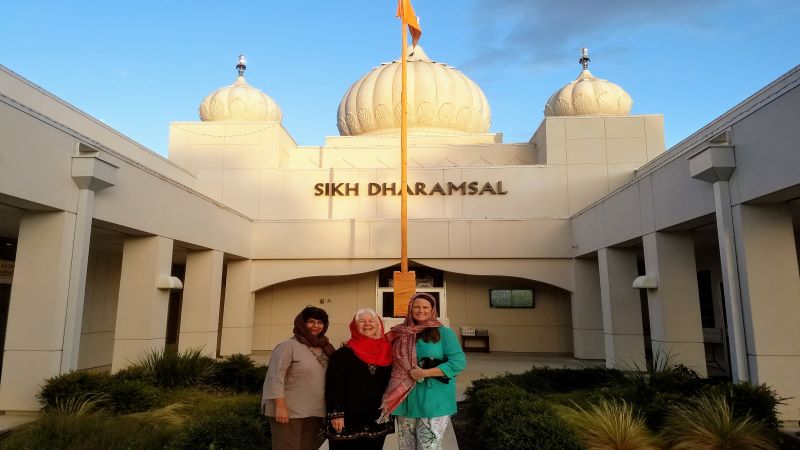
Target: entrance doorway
{"points": [[5, 299]]}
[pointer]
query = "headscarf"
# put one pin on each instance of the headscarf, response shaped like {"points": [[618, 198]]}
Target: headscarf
{"points": [[303, 336], [372, 351], [405, 356]]}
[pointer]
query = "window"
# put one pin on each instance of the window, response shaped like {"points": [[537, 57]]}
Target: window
{"points": [[511, 298]]}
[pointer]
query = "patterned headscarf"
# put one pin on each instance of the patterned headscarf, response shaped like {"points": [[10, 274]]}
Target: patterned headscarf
{"points": [[405, 356], [303, 336]]}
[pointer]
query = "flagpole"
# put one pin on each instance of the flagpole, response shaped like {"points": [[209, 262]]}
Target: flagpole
{"points": [[403, 155]]}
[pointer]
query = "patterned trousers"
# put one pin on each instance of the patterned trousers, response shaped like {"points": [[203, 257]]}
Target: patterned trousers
{"points": [[421, 434]]}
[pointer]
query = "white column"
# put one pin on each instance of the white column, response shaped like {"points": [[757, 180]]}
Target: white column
{"points": [[202, 289], [768, 272], [141, 308], [38, 307], [676, 330], [587, 311], [237, 316], [622, 309], [715, 164]]}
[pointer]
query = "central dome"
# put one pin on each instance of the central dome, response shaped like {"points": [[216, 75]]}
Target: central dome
{"points": [[440, 100]]}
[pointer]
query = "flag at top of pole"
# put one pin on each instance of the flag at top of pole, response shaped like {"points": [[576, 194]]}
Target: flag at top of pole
{"points": [[407, 15]]}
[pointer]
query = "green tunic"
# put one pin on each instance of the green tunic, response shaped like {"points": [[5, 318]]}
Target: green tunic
{"points": [[432, 398]]}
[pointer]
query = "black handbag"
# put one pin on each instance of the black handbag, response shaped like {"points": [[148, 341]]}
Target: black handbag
{"points": [[430, 362]]}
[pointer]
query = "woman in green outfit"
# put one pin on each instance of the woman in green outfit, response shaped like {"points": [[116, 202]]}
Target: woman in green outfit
{"points": [[422, 388]]}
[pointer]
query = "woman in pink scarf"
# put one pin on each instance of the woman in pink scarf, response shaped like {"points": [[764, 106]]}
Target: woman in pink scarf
{"points": [[422, 388]]}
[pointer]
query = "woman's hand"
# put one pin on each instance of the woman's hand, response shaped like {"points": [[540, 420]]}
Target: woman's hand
{"points": [[338, 424], [281, 413], [418, 374]]}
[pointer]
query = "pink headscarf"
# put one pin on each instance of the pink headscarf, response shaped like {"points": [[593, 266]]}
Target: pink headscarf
{"points": [[405, 356]]}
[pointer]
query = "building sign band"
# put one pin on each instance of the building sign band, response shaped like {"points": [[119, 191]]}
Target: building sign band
{"points": [[418, 188]]}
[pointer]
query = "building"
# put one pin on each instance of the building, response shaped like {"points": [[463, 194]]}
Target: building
{"points": [[588, 240]]}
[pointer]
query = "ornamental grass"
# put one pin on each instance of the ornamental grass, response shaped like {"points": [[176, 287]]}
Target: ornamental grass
{"points": [[610, 425], [708, 422]]}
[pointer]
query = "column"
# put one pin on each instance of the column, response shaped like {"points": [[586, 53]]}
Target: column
{"points": [[202, 289], [770, 285], [676, 330], [237, 316], [141, 308], [587, 311], [622, 309], [38, 307], [715, 164]]}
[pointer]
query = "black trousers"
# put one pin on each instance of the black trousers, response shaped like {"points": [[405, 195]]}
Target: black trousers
{"points": [[358, 444]]}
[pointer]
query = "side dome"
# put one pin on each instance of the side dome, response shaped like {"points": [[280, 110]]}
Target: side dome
{"points": [[441, 99], [240, 101], [589, 96]]}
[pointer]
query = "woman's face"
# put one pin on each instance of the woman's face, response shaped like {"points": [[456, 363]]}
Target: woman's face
{"points": [[315, 326], [368, 326], [421, 310]]}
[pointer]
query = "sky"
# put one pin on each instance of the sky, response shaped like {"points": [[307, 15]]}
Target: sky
{"points": [[138, 66]]}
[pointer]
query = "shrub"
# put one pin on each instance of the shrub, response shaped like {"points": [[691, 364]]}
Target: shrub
{"points": [[709, 423], [234, 422], [87, 432], [83, 392], [239, 372], [759, 401], [513, 418], [169, 370], [73, 388], [130, 396], [610, 425]]}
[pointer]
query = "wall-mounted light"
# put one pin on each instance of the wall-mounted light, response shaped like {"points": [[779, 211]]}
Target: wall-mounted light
{"points": [[167, 282], [645, 282]]}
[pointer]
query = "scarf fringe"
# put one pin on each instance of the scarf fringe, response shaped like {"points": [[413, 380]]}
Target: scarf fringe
{"points": [[385, 413]]}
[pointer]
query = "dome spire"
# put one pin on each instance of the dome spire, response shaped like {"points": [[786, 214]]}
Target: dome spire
{"points": [[584, 58], [588, 96], [242, 65]]}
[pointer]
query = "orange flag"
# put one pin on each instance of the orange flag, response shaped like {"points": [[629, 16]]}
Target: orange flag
{"points": [[406, 14]]}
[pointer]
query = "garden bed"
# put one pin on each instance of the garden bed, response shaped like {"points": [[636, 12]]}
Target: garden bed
{"points": [[603, 408]]}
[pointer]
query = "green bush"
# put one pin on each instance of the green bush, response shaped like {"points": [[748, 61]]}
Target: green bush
{"points": [[239, 372], [87, 432], [130, 396], [509, 417], [546, 380], [228, 423], [170, 370], [81, 392], [759, 401], [73, 385]]}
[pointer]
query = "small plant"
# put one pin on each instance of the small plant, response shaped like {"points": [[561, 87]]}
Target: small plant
{"points": [[610, 425], [229, 422], [708, 422], [78, 404], [94, 431], [69, 390], [169, 370], [239, 372], [509, 417]]}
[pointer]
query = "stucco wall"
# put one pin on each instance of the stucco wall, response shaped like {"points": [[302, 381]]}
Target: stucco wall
{"points": [[546, 328], [277, 306], [100, 309]]}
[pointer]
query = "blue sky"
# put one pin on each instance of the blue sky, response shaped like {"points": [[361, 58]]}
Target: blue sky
{"points": [[140, 65]]}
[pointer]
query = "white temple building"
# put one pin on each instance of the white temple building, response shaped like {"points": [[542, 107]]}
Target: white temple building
{"points": [[588, 240]]}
